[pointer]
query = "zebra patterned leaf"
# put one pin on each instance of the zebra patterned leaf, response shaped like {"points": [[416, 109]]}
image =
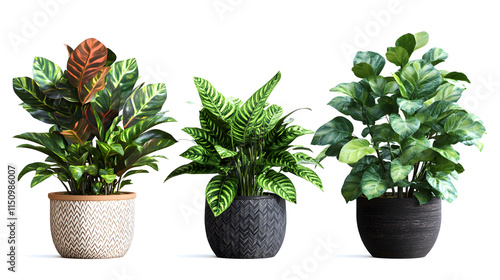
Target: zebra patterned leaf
{"points": [[200, 155], [144, 103], [225, 153], [250, 115], [305, 173], [288, 136], [280, 158], [220, 192], [213, 100], [270, 118], [217, 126], [279, 184], [193, 168], [202, 138]]}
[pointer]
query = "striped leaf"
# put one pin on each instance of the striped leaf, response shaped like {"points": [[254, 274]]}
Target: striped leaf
{"points": [[217, 126], [93, 86], [225, 153], [193, 168], [412, 148], [120, 82], [66, 90], [303, 158], [200, 155], [32, 167], [270, 118], [220, 192], [154, 140], [279, 184], [447, 152], [250, 115], [449, 92], [40, 115], [213, 100], [305, 173], [29, 92], [50, 141], [41, 175], [280, 158], [85, 62], [46, 74], [203, 138], [80, 133], [144, 103], [288, 136]]}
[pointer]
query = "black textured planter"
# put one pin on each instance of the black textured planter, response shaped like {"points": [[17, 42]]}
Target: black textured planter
{"points": [[398, 228], [252, 227]]}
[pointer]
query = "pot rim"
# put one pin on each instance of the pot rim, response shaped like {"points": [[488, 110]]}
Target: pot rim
{"points": [[256, 197], [70, 197]]}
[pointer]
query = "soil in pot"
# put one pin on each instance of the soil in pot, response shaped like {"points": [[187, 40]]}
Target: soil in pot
{"points": [[398, 228], [252, 227]]}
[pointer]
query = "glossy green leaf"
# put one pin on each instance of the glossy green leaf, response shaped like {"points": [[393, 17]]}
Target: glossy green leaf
{"points": [[372, 185], [363, 70], [32, 167], [108, 175], [399, 171], [402, 127], [397, 55], [410, 106], [51, 141], [375, 60], [407, 42], [421, 39], [442, 183], [288, 136], [351, 189], [281, 158], [378, 84], [131, 133], [420, 79], [449, 92], [458, 76], [279, 184], [144, 104], [46, 74], [333, 131], [353, 90], [412, 148], [435, 56], [448, 152], [29, 92], [354, 150], [41, 175], [464, 127], [217, 126]]}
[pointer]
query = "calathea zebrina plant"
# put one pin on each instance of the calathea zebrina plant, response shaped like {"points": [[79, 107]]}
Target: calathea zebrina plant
{"points": [[247, 145], [87, 149], [412, 121]]}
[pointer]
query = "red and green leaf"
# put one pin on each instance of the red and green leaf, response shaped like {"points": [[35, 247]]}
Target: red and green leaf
{"points": [[85, 62]]}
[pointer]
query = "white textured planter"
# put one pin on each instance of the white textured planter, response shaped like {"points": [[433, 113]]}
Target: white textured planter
{"points": [[92, 226]]}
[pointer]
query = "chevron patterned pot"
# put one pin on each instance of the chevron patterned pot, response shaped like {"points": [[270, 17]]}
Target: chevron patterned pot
{"points": [[92, 226], [398, 228], [252, 227]]}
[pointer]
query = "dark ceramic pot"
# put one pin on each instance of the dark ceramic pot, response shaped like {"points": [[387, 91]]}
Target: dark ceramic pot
{"points": [[398, 228], [252, 227]]}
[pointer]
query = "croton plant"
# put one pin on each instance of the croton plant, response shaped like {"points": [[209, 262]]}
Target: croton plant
{"points": [[411, 123], [86, 148], [248, 145]]}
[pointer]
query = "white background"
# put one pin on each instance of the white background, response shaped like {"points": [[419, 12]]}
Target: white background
{"points": [[239, 45]]}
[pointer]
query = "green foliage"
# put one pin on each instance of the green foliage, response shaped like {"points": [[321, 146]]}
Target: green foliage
{"points": [[248, 145], [411, 121], [86, 148]]}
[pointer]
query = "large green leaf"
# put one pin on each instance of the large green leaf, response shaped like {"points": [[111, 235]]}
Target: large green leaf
{"points": [[305, 173], [155, 140], [442, 183], [402, 127], [85, 62], [213, 100], [397, 55], [120, 82], [421, 38], [29, 92], [51, 141], [449, 92], [435, 56], [46, 74], [375, 60], [382, 133], [378, 84], [143, 104], [413, 148], [353, 90], [354, 150], [351, 189], [41, 175], [464, 127], [131, 133], [447, 152], [420, 79], [363, 70], [279, 184], [410, 106], [193, 168], [372, 185], [249, 116], [200, 155], [399, 171], [458, 76], [407, 42], [333, 131], [220, 192]]}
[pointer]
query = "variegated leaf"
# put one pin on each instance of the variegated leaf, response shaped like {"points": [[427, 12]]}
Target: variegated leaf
{"points": [[46, 74], [85, 62], [193, 168], [144, 103], [213, 100], [305, 173], [279, 184], [200, 155], [93, 86], [220, 192]]}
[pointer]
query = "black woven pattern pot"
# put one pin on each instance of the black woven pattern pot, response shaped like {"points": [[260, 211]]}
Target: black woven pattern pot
{"points": [[398, 228], [252, 227]]}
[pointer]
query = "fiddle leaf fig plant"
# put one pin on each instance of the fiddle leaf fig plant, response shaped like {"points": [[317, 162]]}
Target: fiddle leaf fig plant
{"points": [[411, 124], [248, 145], [86, 148]]}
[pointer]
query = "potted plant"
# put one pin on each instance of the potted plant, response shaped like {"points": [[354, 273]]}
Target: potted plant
{"points": [[403, 162], [100, 135], [248, 145]]}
